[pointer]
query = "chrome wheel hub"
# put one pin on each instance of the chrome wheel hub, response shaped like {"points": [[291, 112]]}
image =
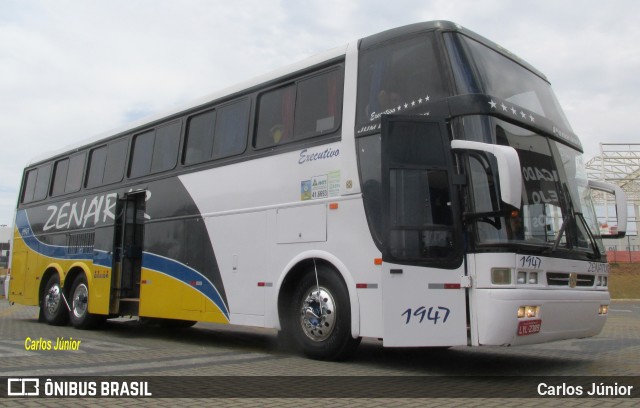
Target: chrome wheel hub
{"points": [[318, 314], [52, 299], [80, 298]]}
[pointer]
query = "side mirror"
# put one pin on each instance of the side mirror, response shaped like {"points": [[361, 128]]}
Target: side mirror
{"points": [[510, 175], [621, 205]]}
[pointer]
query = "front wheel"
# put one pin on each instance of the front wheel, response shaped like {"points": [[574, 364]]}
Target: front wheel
{"points": [[320, 316], [80, 316], [52, 306]]}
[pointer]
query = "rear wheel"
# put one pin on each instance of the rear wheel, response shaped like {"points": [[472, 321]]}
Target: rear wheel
{"points": [[52, 305], [319, 318], [80, 316]]}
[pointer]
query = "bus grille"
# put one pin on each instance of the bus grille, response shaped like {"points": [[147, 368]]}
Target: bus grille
{"points": [[80, 243], [563, 279]]}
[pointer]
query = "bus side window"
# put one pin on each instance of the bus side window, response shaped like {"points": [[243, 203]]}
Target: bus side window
{"points": [[155, 150], [42, 182], [166, 146], [231, 129], [275, 116], [115, 162], [60, 173], [199, 139], [107, 163], [67, 175], [29, 186], [318, 105]]}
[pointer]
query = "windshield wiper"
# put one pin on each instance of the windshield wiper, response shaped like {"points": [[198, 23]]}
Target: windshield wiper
{"points": [[592, 238], [556, 242], [567, 203]]}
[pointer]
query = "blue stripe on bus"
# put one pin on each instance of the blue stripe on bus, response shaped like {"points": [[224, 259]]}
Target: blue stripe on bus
{"points": [[51, 251], [186, 275], [151, 261], [103, 258]]}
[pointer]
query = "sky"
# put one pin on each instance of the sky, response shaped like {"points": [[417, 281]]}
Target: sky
{"points": [[73, 69]]}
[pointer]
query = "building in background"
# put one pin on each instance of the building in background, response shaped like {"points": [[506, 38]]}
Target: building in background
{"points": [[618, 164], [5, 236]]}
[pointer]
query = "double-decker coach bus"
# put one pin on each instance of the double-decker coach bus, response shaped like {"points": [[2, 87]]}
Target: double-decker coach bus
{"points": [[421, 185]]}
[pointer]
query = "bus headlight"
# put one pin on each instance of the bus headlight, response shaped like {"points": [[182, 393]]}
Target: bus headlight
{"points": [[527, 277], [528, 311], [601, 281], [604, 309], [501, 276]]}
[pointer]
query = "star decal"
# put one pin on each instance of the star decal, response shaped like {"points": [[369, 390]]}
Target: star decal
{"points": [[514, 111], [493, 104], [504, 107]]}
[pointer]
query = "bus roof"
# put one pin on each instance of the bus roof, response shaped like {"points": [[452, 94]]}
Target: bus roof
{"points": [[274, 75], [220, 94]]}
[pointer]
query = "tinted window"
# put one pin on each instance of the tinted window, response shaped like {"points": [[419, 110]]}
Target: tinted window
{"points": [[42, 182], [76, 171], [318, 105], [67, 175], [106, 164], [97, 160], [310, 107], [155, 151], [275, 117], [479, 69], [60, 177], [116, 157], [231, 129], [165, 148], [141, 155], [199, 141], [29, 186], [397, 77]]}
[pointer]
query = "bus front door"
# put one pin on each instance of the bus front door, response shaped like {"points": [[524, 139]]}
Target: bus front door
{"points": [[424, 283], [129, 235]]}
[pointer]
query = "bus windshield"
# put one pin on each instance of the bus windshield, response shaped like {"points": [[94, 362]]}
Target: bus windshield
{"points": [[478, 69], [556, 211]]}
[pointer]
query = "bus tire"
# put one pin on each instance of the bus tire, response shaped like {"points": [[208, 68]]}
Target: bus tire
{"points": [[52, 307], [79, 303], [326, 335]]}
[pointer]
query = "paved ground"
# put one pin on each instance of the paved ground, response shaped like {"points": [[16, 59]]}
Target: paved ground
{"points": [[209, 353]]}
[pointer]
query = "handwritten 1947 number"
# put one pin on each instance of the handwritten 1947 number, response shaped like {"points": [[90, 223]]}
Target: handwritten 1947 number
{"points": [[432, 314]]}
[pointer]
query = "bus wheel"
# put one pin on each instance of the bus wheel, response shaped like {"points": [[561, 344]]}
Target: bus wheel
{"points": [[321, 317], [80, 316], [54, 311]]}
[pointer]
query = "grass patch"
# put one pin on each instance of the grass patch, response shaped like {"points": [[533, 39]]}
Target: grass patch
{"points": [[624, 281]]}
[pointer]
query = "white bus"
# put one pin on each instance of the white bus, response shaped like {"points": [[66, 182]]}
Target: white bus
{"points": [[420, 185]]}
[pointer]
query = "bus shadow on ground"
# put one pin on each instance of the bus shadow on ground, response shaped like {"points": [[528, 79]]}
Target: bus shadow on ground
{"points": [[498, 361]]}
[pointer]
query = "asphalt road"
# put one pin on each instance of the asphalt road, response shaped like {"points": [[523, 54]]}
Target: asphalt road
{"points": [[217, 353]]}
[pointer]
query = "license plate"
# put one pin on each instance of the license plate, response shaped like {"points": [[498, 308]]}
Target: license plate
{"points": [[529, 327]]}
